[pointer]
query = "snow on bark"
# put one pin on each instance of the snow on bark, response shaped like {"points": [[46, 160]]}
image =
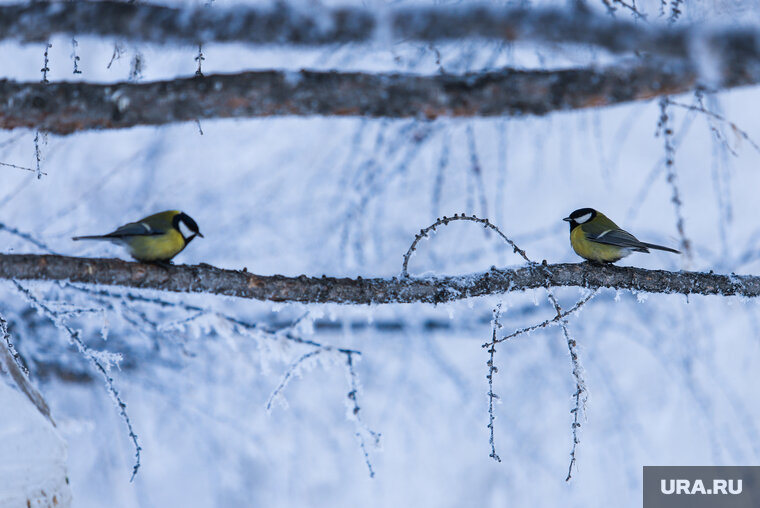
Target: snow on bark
{"points": [[208, 279]]}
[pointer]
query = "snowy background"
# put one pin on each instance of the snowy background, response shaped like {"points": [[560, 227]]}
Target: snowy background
{"points": [[672, 381]]}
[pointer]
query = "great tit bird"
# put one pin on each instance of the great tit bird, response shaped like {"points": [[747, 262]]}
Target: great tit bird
{"points": [[596, 238], [156, 238]]}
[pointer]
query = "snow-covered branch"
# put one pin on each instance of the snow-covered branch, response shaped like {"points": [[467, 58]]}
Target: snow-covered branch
{"points": [[69, 107], [208, 279]]}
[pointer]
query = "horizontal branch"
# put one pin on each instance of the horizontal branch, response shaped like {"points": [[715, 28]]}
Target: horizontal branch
{"points": [[310, 24], [64, 107], [208, 279]]}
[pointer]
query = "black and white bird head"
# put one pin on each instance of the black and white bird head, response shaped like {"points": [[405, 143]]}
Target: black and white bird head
{"points": [[580, 216], [186, 226]]}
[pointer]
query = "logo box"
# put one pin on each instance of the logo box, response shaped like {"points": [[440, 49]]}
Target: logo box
{"points": [[701, 486]]}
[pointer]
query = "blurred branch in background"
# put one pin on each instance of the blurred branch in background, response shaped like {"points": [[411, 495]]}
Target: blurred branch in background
{"points": [[673, 62], [313, 25], [208, 279], [64, 108]]}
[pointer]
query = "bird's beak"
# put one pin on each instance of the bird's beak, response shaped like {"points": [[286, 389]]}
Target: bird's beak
{"points": [[199, 234], [568, 219]]}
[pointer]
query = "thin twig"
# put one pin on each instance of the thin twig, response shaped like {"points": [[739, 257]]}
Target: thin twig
{"points": [[22, 167], [199, 58], [353, 402], [75, 56], [444, 221], [37, 153], [492, 369], [476, 170], [581, 393], [45, 69], [26, 236], [675, 10], [553, 321], [664, 128], [631, 7], [289, 374], [75, 338], [701, 109]]}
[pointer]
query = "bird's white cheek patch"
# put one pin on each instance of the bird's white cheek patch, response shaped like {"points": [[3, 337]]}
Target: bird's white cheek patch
{"points": [[185, 230], [583, 218]]}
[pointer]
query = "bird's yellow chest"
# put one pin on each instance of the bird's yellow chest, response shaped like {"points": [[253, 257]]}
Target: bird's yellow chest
{"points": [[158, 247], [594, 251]]}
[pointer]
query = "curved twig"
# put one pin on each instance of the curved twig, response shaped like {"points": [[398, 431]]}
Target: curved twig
{"points": [[444, 221]]}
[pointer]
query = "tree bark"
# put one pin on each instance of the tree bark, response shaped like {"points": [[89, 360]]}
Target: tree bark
{"points": [[208, 279], [64, 108]]}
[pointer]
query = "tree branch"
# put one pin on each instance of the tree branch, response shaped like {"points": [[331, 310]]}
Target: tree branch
{"points": [[282, 23], [65, 107], [208, 279]]}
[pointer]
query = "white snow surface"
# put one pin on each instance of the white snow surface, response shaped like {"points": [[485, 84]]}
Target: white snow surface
{"points": [[33, 470]]}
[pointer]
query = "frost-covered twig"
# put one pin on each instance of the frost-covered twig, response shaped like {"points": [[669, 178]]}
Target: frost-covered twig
{"points": [[580, 384], [581, 393], [7, 165], [664, 128], [235, 321], [612, 6], [45, 69], [11, 363], [354, 414], [136, 67], [476, 170], [675, 10], [95, 359], [444, 221], [553, 321], [38, 153], [443, 163], [74, 56], [292, 370], [66, 107], [700, 108], [492, 369], [434, 289], [199, 58], [275, 328]]}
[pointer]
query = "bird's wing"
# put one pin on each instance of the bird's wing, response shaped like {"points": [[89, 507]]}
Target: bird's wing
{"points": [[618, 238], [135, 229]]}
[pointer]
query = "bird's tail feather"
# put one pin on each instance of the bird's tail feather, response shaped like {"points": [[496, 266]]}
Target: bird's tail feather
{"points": [[91, 237], [660, 247]]}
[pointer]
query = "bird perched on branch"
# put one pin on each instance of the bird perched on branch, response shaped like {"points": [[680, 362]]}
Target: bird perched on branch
{"points": [[156, 238], [596, 238]]}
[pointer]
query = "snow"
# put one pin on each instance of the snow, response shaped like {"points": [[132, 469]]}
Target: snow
{"points": [[33, 470]]}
